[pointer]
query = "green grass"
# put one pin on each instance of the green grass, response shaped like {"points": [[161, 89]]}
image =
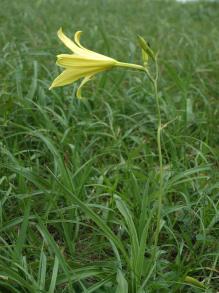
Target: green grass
{"points": [[80, 179]]}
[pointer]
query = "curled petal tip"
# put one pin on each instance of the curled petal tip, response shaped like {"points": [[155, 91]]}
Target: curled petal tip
{"points": [[59, 31], [77, 38], [85, 80], [78, 34]]}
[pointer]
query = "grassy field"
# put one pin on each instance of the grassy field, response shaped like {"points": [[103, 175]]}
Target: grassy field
{"points": [[80, 178]]}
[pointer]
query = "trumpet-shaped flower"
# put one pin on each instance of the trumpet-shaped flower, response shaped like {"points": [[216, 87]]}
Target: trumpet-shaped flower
{"points": [[83, 63]]}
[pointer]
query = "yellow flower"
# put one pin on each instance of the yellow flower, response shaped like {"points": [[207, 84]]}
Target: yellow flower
{"points": [[83, 63]]}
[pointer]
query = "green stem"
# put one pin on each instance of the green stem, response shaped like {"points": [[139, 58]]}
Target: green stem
{"points": [[154, 81], [159, 128], [160, 194], [130, 65]]}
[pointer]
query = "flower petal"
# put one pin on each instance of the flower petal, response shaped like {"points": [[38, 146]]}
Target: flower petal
{"points": [[79, 49], [71, 75], [75, 61], [66, 77], [89, 53], [69, 43], [85, 80], [77, 39]]}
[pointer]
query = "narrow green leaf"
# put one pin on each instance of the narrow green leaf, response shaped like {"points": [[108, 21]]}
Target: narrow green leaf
{"points": [[54, 275], [33, 85], [193, 281], [122, 283], [51, 242], [122, 207], [42, 270], [23, 232]]}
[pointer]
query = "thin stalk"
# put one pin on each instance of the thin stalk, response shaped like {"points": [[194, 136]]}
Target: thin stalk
{"points": [[154, 81], [130, 65], [159, 128]]}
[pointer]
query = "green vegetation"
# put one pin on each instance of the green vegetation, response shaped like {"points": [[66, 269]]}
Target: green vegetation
{"points": [[80, 178]]}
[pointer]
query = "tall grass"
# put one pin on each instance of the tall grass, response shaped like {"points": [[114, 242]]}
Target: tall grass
{"points": [[79, 179]]}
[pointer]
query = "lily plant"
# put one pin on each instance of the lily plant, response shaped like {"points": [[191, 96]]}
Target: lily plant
{"points": [[84, 63]]}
